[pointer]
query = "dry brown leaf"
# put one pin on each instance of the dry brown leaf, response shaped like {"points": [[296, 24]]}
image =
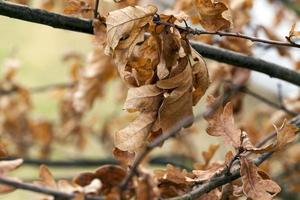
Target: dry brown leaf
{"points": [[124, 157], [294, 35], [46, 177], [145, 188], [204, 175], [79, 7], [214, 15], [254, 185], [145, 98], [99, 70], [133, 137], [200, 76], [8, 165], [285, 135], [221, 123], [125, 28], [172, 181]]}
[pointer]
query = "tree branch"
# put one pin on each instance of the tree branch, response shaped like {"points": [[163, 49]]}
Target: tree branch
{"points": [[38, 189], [224, 178], [176, 160], [208, 51], [44, 17], [195, 31]]}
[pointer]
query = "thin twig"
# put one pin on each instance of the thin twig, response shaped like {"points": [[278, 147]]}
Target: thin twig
{"points": [[223, 179], [173, 131], [267, 101], [39, 89], [96, 12], [208, 51], [195, 31], [176, 160], [43, 190]]}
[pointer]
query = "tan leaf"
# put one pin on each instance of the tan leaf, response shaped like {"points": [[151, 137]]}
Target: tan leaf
{"points": [[145, 188], [285, 135], [254, 185], [143, 98], [133, 137], [46, 177], [125, 28], [203, 175], [81, 7], [124, 157], [9, 165], [221, 123], [214, 15], [5, 167], [99, 70], [200, 77], [110, 176], [293, 34]]}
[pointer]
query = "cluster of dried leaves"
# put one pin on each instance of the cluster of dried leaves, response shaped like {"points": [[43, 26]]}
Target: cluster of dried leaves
{"points": [[165, 78]]}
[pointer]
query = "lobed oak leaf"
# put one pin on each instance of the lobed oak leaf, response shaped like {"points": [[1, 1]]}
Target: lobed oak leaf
{"points": [[256, 186], [285, 134], [207, 156], [221, 123], [125, 28], [173, 181], [133, 137], [214, 15]]}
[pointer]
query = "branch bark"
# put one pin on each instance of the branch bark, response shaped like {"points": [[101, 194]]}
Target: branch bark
{"points": [[208, 51], [224, 178], [43, 190]]}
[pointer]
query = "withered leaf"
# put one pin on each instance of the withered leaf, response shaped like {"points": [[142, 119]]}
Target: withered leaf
{"points": [[285, 135], [143, 98], [133, 137], [214, 15], [200, 76], [9, 165], [125, 28], [294, 35], [254, 185], [46, 177], [124, 157], [221, 123]]}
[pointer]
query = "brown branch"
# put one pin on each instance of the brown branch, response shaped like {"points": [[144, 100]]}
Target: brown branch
{"points": [[96, 13], [38, 89], [44, 190], [208, 51], [195, 31], [176, 160], [224, 178], [173, 131]]}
